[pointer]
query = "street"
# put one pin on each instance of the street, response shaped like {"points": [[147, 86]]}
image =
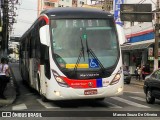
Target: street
{"points": [[133, 99], [71, 49]]}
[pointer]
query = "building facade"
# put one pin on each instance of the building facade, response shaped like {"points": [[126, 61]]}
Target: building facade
{"points": [[49, 4], [139, 47]]}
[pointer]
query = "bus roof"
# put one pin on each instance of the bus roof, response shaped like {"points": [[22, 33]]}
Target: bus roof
{"points": [[77, 12]]}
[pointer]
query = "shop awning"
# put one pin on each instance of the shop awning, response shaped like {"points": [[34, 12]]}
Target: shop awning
{"points": [[137, 45]]}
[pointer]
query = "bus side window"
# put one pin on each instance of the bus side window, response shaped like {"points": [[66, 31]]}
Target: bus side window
{"points": [[44, 54]]}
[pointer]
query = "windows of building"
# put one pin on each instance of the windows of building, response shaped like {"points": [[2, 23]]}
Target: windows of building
{"points": [[49, 4]]}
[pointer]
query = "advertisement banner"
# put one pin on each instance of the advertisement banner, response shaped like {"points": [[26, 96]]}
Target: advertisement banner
{"points": [[116, 7]]}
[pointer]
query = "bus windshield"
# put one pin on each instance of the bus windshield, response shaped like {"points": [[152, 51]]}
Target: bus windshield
{"points": [[72, 38]]}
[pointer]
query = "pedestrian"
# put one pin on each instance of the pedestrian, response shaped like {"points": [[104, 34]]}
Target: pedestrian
{"points": [[4, 76], [145, 71], [138, 73]]}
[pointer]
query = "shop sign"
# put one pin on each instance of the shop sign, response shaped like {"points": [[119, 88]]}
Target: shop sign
{"points": [[150, 51], [152, 58], [117, 4]]}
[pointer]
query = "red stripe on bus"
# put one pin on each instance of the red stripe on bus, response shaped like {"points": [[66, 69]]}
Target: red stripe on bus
{"points": [[44, 18], [91, 83]]}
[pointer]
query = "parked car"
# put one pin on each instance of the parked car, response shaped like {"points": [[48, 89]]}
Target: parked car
{"points": [[152, 87], [127, 76]]}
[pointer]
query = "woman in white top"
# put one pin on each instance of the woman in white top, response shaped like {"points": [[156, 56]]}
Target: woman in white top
{"points": [[138, 69], [4, 72]]}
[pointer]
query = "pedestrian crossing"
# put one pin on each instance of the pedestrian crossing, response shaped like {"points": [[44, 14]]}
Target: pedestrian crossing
{"points": [[19, 107], [111, 102], [130, 102], [138, 98], [47, 105]]}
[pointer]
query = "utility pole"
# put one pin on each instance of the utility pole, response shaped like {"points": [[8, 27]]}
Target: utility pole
{"points": [[5, 28], [8, 20], [156, 45]]}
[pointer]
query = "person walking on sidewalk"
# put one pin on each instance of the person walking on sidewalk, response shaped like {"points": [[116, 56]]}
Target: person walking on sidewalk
{"points": [[145, 71], [4, 77], [138, 71]]}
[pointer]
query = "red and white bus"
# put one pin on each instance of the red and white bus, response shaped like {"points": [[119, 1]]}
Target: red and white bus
{"points": [[73, 53]]}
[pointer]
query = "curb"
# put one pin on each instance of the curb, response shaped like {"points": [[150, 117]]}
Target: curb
{"points": [[15, 85]]}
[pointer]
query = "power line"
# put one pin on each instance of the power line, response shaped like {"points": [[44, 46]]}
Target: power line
{"points": [[153, 2]]}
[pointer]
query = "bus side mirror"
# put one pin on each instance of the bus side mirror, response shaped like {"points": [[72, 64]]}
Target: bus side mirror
{"points": [[44, 35], [121, 34]]}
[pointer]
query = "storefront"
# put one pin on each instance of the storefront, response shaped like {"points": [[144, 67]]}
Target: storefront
{"points": [[138, 54]]}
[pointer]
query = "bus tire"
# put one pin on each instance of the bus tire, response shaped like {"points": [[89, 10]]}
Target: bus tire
{"points": [[100, 99], [44, 99], [39, 85]]}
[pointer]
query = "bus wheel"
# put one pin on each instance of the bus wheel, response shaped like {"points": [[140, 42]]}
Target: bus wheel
{"points": [[99, 99], [44, 99], [39, 86]]}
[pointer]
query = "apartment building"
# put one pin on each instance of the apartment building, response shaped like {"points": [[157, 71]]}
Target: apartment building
{"points": [[48, 4]]}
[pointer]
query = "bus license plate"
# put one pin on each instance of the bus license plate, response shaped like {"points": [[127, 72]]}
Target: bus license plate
{"points": [[90, 92]]}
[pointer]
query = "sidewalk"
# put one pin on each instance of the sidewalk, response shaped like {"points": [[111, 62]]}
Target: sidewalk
{"points": [[10, 91], [137, 82]]}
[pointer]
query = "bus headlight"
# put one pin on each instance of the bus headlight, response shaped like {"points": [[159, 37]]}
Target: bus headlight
{"points": [[59, 79], [116, 79]]}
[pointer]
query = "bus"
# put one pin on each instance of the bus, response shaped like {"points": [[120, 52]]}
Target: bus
{"points": [[73, 53]]}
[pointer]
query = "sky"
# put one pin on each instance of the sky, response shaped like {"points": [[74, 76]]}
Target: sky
{"points": [[27, 14]]}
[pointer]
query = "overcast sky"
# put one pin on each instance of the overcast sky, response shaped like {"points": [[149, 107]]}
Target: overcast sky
{"points": [[27, 14]]}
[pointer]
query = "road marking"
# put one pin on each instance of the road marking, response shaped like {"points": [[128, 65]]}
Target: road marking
{"points": [[46, 104], [113, 105], [133, 92], [19, 107], [130, 102], [138, 98]]}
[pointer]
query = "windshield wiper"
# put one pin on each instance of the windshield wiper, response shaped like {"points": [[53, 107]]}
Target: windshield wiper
{"points": [[80, 55], [89, 51]]}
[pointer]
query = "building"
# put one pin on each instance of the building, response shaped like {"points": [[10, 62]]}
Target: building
{"points": [[48, 4], [139, 47], [108, 5], [139, 43]]}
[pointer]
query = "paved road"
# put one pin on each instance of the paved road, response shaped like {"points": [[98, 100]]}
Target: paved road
{"points": [[133, 99]]}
